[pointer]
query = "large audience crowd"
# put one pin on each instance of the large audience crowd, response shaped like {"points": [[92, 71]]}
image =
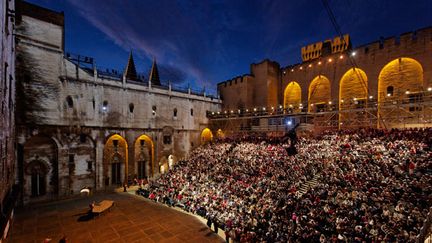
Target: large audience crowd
{"points": [[373, 185]]}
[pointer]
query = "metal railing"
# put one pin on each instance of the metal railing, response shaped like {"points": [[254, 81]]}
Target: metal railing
{"points": [[355, 113]]}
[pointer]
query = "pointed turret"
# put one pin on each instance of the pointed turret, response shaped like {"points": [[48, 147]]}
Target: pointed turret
{"points": [[130, 70], [154, 74]]}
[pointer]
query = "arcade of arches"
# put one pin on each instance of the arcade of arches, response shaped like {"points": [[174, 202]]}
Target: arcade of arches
{"points": [[400, 79], [63, 164]]}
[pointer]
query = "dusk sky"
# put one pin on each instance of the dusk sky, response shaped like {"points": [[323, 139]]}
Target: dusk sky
{"points": [[205, 42]]}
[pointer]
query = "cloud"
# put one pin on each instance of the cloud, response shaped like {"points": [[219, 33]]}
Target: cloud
{"points": [[152, 34], [205, 42]]}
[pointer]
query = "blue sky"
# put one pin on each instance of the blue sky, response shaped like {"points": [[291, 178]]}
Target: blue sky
{"points": [[204, 42]]}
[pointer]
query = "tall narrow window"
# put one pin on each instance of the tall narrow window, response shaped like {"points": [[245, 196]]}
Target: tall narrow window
{"points": [[390, 90], [69, 101], [105, 105], [191, 112], [175, 112], [131, 107], [154, 110]]}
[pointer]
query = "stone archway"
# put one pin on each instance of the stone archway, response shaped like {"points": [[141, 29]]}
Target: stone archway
{"points": [[38, 171], [400, 81], [115, 161], [319, 94], [353, 95], [40, 168], [172, 160], [220, 134], [144, 157], [292, 97], [206, 136]]}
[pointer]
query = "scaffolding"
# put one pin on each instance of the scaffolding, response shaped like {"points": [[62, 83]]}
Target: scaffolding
{"points": [[408, 111]]}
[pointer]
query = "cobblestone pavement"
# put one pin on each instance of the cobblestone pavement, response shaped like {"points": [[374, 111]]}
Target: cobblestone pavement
{"points": [[130, 220]]}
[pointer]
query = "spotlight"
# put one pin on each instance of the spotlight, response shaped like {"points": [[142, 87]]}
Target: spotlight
{"points": [[289, 123], [371, 97], [429, 89], [341, 57], [301, 68], [319, 63], [407, 92], [264, 109], [280, 107], [310, 65], [353, 53], [330, 60], [388, 94], [330, 102], [292, 70]]}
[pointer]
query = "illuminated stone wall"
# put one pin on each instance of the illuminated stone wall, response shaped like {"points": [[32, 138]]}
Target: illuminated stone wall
{"points": [[67, 104], [370, 58], [259, 89]]}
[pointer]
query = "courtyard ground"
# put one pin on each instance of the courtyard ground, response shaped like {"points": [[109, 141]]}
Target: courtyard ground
{"points": [[132, 219]]}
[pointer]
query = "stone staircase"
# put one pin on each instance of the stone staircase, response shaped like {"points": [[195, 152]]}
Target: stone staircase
{"points": [[305, 187]]}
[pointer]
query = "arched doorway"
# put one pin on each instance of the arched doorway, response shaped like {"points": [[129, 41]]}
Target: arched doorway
{"points": [[220, 134], [40, 167], [115, 161], [38, 171], [163, 165], [353, 94], [206, 136], [81, 162], [399, 82], [172, 160], [319, 94], [292, 97], [144, 156]]}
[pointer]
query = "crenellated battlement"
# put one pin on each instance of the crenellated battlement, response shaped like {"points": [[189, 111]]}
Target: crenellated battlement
{"points": [[410, 40], [324, 78], [235, 80]]}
